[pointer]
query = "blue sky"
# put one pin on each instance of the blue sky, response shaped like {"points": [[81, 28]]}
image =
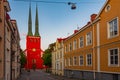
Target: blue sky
{"points": [[55, 20]]}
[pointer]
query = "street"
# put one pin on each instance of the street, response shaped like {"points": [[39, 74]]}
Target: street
{"points": [[40, 75]]}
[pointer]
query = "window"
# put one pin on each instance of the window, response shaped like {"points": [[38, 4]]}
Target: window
{"points": [[113, 57], [66, 48], [81, 61], [113, 28], [70, 61], [107, 8], [60, 54], [70, 46], [31, 40], [89, 38], [115, 76], [74, 44], [81, 44], [89, 59], [75, 61], [65, 62]]}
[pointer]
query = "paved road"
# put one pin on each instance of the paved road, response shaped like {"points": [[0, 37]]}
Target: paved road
{"points": [[40, 75]]}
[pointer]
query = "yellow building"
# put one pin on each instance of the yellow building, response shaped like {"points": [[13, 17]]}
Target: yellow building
{"points": [[58, 57], [92, 53]]}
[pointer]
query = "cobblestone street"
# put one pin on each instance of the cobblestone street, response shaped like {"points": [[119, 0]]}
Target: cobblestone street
{"points": [[40, 75]]}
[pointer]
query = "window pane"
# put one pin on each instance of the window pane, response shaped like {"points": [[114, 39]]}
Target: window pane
{"points": [[116, 59]]}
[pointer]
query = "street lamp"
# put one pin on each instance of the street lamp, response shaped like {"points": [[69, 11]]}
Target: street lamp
{"points": [[73, 6]]}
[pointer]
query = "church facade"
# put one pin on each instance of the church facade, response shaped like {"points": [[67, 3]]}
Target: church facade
{"points": [[33, 44]]}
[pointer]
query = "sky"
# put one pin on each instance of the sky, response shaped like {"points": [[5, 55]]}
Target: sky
{"points": [[56, 20]]}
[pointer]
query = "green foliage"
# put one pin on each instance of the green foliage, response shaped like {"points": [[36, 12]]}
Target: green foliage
{"points": [[47, 56], [22, 59]]}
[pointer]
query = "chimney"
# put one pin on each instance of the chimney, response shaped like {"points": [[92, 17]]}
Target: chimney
{"points": [[93, 16], [75, 31]]}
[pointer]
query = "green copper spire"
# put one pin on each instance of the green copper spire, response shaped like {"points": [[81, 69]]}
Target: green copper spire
{"points": [[36, 23], [30, 23]]}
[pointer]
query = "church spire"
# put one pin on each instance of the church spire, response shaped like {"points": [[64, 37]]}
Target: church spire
{"points": [[36, 23], [30, 23]]}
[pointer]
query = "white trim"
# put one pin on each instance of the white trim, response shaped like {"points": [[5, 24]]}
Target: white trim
{"points": [[98, 48]]}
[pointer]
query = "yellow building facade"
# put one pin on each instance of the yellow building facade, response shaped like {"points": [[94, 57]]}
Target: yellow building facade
{"points": [[93, 52], [58, 57]]}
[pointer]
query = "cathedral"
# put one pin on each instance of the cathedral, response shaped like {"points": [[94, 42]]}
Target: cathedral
{"points": [[33, 44]]}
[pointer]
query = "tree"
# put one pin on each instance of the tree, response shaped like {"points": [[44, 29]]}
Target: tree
{"points": [[22, 59], [47, 57]]}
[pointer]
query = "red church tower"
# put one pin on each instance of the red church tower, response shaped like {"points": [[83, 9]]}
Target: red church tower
{"points": [[33, 44]]}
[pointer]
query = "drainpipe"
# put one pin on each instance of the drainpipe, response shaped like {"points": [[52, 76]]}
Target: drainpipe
{"points": [[4, 45], [94, 67]]}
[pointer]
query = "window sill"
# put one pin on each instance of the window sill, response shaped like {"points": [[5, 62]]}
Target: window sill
{"points": [[113, 36], [113, 65]]}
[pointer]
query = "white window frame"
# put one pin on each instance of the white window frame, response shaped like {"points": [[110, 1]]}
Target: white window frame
{"points": [[75, 60], [109, 61], [66, 48], [70, 61], [87, 59], [70, 46], [74, 44], [108, 28], [87, 38], [81, 41], [66, 62], [80, 60]]}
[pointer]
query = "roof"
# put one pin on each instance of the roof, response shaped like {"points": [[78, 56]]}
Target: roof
{"points": [[102, 8], [7, 16]]}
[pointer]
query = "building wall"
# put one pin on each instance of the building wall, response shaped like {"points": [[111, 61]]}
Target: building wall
{"points": [[2, 41], [103, 65], [5, 42], [57, 58], [15, 52], [7, 52], [107, 42], [79, 51], [53, 61], [33, 47]]}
